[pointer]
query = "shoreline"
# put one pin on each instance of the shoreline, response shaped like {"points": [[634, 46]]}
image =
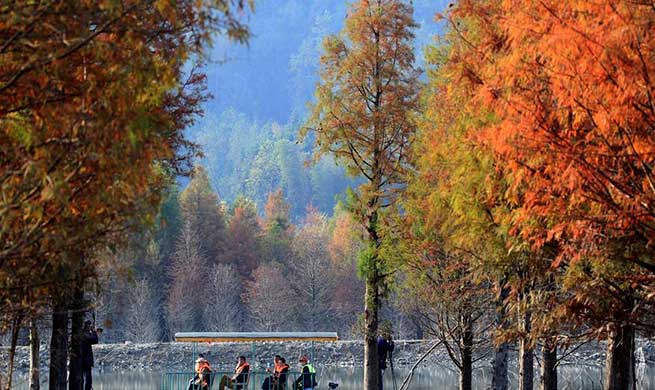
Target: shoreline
{"points": [[171, 356]]}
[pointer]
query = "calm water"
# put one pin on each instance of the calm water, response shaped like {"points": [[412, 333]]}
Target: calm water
{"points": [[350, 379]]}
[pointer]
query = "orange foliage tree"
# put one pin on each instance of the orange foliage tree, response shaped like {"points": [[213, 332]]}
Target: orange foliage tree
{"points": [[570, 87], [368, 89], [94, 97]]}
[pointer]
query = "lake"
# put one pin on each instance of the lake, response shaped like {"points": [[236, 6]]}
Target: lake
{"points": [[350, 379]]}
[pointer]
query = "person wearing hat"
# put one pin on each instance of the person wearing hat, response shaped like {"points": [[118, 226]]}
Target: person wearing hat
{"points": [[307, 378], [90, 336]]}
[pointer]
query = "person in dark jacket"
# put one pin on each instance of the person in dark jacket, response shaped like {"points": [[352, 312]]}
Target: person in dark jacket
{"points": [[385, 349], [281, 382], [278, 379], [240, 378], [307, 378], [90, 336]]}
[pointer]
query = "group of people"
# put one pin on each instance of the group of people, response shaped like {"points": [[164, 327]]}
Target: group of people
{"points": [[277, 380], [239, 380]]}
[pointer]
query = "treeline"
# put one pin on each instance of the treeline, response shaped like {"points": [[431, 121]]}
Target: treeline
{"points": [[210, 265]]}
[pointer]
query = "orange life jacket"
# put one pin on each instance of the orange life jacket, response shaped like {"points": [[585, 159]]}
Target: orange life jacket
{"points": [[240, 368], [202, 365], [279, 368]]}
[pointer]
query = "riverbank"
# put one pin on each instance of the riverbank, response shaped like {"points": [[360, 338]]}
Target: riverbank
{"points": [[178, 356]]}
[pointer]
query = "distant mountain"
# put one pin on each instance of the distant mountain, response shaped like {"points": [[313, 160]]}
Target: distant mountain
{"points": [[261, 94]]}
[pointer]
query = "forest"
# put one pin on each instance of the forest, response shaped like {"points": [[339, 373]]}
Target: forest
{"points": [[477, 173]]}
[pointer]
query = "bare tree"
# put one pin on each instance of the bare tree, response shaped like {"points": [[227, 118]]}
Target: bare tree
{"points": [[141, 320], [453, 307], [188, 273], [223, 311], [111, 299], [270, 301], [345, 246], [313, 276]]}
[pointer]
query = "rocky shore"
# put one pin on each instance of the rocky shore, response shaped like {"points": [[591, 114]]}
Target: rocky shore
{"points": [[178, 356]]}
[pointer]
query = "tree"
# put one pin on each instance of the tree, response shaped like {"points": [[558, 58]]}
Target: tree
{"points": [[86, 133], [456, 313], [223, 311], [188, 275], [265, 175], [277, 229], [367, 90], [574, 134], [346, 243], [270, 301], [202, 210], [142, 317], [295, 180], [243, 249], [313, 276], [456, 219]]}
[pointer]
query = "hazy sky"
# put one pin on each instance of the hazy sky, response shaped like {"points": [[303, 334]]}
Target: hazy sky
{"points": [[275, 75]]}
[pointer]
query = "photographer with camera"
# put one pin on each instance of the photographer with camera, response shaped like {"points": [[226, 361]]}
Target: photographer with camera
{"points": [[385, 349], [90, 336]]}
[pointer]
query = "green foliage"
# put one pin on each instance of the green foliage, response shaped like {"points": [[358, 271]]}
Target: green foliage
{"points": [[367, 262], [244, 157], [202, 210]]}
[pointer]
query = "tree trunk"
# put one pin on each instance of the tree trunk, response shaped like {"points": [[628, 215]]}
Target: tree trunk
{"points": [[15, 329], [500, 379], [35, 356], [58, 346], [466, 373], [371, 363], [372, 376], [526, 355], [549, 365], [75, 354], [620, 363]]}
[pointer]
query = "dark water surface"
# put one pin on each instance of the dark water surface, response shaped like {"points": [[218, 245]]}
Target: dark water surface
{"points": [[351, 378]]}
